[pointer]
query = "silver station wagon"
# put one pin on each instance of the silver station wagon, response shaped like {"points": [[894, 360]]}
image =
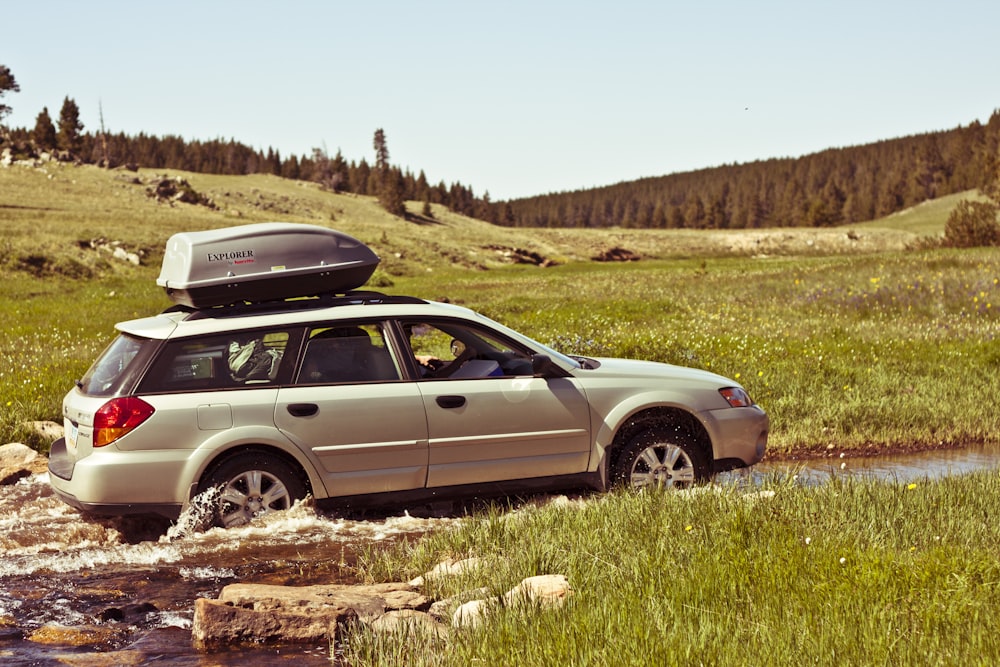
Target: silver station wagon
{"points": [[356, 394]]}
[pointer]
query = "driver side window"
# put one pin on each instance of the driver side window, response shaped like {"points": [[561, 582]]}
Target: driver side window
{"points": [[443, 350]]}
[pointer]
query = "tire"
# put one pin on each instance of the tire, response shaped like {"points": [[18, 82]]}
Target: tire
{"points": [[659, 459], [250, 485]]}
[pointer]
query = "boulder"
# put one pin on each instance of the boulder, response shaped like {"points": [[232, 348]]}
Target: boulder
{"points": [[409, 621], [219, 624], [448, 568], [470, 614], [85, 635], [49, 430], [268, 614], [545, 591], [295, 614], [18, 461]]}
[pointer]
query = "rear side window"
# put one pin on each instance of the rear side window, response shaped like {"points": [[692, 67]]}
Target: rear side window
{"points": [[116, 366], [218, 362], [347, 353]]}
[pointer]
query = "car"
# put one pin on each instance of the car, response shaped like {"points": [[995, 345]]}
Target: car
{"points": [[358, 395]]}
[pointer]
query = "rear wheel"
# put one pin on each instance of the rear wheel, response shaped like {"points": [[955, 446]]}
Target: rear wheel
{"points": [[250, 485], [659, 459]]}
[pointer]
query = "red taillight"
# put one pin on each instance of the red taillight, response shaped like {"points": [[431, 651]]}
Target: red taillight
{"points": [[117, 417]]}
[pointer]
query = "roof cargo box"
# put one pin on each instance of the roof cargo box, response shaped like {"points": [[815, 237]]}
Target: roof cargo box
{"points": [[262, 262]]}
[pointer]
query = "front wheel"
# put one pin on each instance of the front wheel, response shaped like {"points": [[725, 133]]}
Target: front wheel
{"points": [[252, 484], [656, 459]]}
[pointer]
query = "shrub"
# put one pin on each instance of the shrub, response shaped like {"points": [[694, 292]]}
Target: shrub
{"points": [[972, 224]]}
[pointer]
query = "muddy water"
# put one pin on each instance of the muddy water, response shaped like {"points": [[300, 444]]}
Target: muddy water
{"points": [[121, 591]]}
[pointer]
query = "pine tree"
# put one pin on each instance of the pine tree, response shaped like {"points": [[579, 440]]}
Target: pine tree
{"points": [[381, 151], [44, 134], [391, 185], [8, 84], [70, 127], [341, 175]]}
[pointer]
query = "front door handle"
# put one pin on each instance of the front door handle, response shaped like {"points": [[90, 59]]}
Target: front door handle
{"points": [[450, 401], [302, 409]]}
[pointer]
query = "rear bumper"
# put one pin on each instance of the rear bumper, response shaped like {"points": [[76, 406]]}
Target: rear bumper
{"points": [[169, 511], [99, 483]]}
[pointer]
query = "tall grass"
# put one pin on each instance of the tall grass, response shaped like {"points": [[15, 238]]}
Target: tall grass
{"points": [[853, 572], [864, 353], [847, 351]]}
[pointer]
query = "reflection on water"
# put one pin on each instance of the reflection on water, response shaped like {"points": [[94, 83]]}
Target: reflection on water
{"points": [[125, 587], [899, 467]]}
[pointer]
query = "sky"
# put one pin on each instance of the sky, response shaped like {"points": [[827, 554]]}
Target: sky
{"points": [[515, 98]]}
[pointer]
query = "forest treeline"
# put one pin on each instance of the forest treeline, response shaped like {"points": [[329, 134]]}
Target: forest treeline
{"points": [[218, 156], [831, 187]]}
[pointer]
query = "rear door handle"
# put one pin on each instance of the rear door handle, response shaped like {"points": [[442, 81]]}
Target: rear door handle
{"points": [[450, 401], [302, 409]]}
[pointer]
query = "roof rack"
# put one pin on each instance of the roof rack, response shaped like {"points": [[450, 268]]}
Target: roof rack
{"points": [[244, 308]]}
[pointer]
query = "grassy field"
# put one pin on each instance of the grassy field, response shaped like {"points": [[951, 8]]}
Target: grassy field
{"points": [[852, 572], [850, 341]]}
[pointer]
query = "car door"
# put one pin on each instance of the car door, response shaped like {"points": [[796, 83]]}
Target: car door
{"points": [[352, 413], [488, 418]]}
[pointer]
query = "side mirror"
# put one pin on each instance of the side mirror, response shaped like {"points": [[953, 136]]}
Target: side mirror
{"points": [[541, 365]]}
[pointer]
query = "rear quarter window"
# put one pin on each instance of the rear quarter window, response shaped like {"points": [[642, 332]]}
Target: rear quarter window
{"points": [[118, 366]]}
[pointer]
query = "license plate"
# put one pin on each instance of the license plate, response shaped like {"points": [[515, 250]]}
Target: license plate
{"points": [[71, 436]]}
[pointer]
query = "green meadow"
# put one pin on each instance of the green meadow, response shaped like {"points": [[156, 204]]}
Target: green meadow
{"points": [[852, 342], [851, 572], [849, 340]]}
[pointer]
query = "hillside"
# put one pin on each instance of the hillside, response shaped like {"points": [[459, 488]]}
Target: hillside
{"points": [[813, 322], [832, 187], [51, 214]]}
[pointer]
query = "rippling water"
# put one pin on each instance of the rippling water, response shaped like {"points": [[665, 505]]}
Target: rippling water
{"points": [[121, 591], [128, 585]]}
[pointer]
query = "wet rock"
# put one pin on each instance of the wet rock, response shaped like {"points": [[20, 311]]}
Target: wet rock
{"points": [[81, 635], [132, 613], [268, 614], [104, 659], [219, 624], [18, 461], [9, 630]]}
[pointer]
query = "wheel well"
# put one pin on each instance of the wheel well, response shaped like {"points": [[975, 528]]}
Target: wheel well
{"points": [[664, 418], [236, 452]]}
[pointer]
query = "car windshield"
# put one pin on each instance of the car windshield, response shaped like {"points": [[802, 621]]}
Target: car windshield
{"points": [[108, 372]]}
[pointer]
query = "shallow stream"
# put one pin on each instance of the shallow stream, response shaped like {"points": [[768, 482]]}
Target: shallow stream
{"points": [[121, 591]]}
